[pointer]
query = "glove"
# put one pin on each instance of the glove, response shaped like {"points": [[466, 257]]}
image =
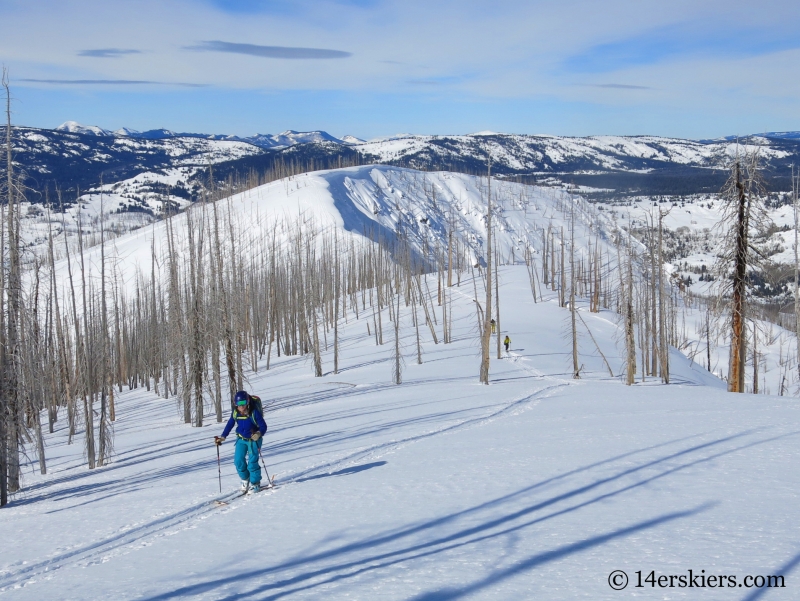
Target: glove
{"points": [[256, 436], [218, 440]]}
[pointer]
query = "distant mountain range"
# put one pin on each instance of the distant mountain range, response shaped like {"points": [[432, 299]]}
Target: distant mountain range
{"points": [[283, 140], [779, 135], [77, 157]]}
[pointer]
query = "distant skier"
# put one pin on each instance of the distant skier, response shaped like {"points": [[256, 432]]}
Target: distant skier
{"points": [[507, 342], [494, 325], [250, 428]]}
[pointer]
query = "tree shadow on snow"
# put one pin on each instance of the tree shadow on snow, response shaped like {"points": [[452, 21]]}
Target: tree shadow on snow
{"points": [[344, 472], [781, 571], [104, 546], [48, 489], [498, 520]]}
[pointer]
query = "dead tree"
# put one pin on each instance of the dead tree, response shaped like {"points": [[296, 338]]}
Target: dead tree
{"points": [[576, 370], [795, 190], [744, 213], [487, 325], [662, 324]]}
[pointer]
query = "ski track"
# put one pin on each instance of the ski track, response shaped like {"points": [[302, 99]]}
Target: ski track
{"points": [[104, 550], [380, 450], [19, 576], [329, 427]]}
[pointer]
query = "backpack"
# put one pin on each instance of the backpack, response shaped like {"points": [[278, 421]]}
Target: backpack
{"points": [[255, 403]]}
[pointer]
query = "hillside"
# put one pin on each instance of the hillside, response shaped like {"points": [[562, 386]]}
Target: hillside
{"points": [[537, 486], [363, 202], [378, 202], [77, 158], [425, 485]]}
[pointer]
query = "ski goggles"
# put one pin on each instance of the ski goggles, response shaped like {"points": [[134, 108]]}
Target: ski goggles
{"points": [[241, 403]]}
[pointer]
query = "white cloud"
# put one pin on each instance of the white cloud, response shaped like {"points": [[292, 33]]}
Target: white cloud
{"points": [[504, 49]]}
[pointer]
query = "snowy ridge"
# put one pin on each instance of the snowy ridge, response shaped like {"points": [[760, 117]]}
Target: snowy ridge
{"points": [[75, 159], [559, 154], [379, 202], [515, 153], [31, 146], [282, 140], [290, 138]]}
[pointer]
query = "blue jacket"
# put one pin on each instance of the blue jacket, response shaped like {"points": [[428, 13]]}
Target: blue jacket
{"points": [[246, 425]]}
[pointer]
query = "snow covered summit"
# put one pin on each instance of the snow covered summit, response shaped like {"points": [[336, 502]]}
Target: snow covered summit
{"points": [[74, 127]]}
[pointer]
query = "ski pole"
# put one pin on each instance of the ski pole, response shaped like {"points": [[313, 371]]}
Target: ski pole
{"points": [[219, 465], [265, 464]]}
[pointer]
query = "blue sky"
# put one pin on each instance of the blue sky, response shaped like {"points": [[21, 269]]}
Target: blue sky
{"points": [[697, 69]]}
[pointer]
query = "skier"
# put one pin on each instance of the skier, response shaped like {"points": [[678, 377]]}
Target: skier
{"points": [[507, 342], [494, 325], [250, 428]]}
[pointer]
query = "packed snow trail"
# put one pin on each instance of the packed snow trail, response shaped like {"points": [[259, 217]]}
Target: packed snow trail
{"points": [[537, 486]]}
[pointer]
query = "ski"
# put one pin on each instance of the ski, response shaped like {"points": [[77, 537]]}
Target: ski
{"points": [[270, 486], [226, 499]]}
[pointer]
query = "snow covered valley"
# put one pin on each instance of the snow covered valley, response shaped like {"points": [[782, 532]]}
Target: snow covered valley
{"points": [[538, 486]]}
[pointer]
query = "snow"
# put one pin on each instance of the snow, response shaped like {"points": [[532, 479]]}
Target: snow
{"points": [[372, 200], [526, 152], [74, 127], [38, 138], [380, 200], [282, 140], [125, 131], [535, 487], [191, 151]]}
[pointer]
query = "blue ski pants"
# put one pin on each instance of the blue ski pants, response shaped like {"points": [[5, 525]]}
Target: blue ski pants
{"points": [[245, 458]]}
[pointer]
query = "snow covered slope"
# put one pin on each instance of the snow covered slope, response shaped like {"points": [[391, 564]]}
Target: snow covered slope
{"points": [[379, 202], [535, 487], [513, 152], [374, 202], [538, 154], [75, 156]]}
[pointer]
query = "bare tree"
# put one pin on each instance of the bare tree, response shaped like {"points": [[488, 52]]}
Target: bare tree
{"points": [[487, 325], [662, 325], [497, 299], [6, 378], [576, 370], [13, 427], [397, 376], [744, 212], [795, 190]]}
